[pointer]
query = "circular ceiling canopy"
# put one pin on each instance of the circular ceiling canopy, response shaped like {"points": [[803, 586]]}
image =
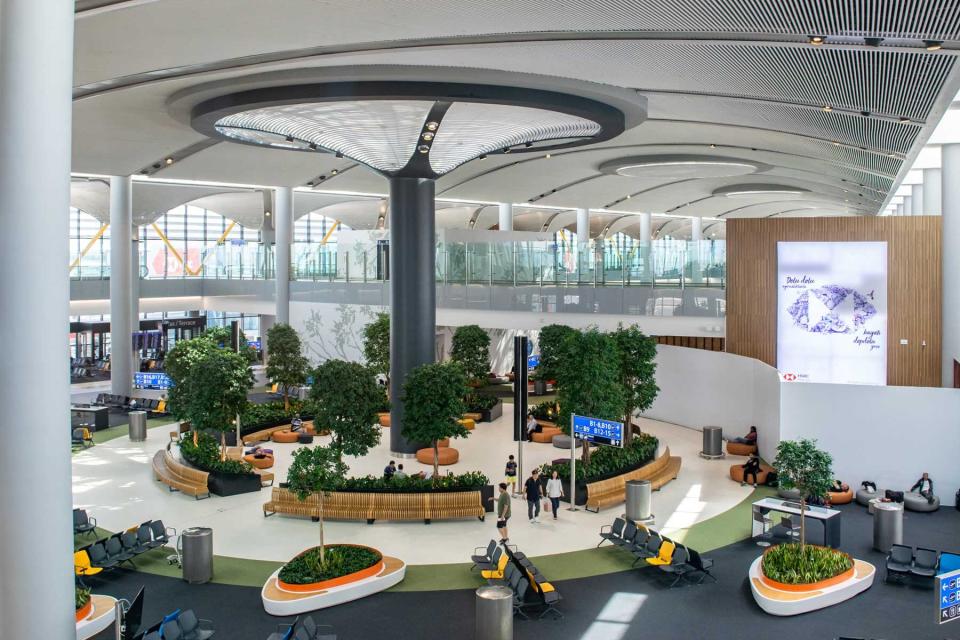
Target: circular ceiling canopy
{"points": [[782, 191], [411, 129], [681, 166]]}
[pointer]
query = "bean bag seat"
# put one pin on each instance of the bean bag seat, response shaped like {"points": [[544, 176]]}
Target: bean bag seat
{"points": [[443, 443], [840, 497], [469, 423], [736, 473], [384, 419], [789, 494], [264, 462], [864, 496], [284, 436], [916, 502], [562, 441], [546, 435], [446, 455], [740, 449]]}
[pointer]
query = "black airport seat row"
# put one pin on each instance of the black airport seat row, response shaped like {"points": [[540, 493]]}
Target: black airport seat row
{"points": [[303, 628], [179, 625], [127, 402], [83, 523], [112, 552], [504, 566], [654, 549], [905, 563]]}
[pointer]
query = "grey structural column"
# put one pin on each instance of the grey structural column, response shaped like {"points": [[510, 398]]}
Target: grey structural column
{"points": [[583, 226], [121, 286], [899, 209], [932, 192], [135, 278], [917, 199], [951, 260], [283, 219], [696, 235], [696, 229], [646, 238], [36, 78], [908, 205], [505, 209], [413, 294]]}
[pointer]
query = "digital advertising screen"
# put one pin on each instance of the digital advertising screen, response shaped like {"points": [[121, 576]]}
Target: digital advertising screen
{"points": [[832, 312]]}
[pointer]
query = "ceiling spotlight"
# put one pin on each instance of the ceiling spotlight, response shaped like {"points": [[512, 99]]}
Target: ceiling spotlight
{"points": [[506, 149], [528, 144], [933, 45], [483, 157], [334, 172], [836, 144], [713, 146], [628, 196], [266, 213], [865, 114], [168, 161], [157, 165], [817, 40], [827, 108], [322, 178], [289, 138], [547, 156], [313, 146], [424, 148], [903, 119], [872, 42], [427, 136], [338, 155], [432, 126]]}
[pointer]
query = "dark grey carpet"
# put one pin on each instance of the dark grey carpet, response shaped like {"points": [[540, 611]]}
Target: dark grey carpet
{"points": [[722, 610]]}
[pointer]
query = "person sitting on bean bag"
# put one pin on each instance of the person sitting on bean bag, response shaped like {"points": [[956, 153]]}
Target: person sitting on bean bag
{"points": [[750, 438], [924, 486], [751, 468], [839, 487]]}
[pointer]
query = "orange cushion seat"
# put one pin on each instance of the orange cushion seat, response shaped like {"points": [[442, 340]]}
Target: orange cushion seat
{"points": [[546, 435], [384, 419], [443, 443], [736, 473], [740, 449], [840, 497], [446, 455], [285, 436], [260, 463], [468, 423]]}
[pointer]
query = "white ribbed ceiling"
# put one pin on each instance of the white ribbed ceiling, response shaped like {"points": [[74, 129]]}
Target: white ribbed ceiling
{"points": [[728, 77]]}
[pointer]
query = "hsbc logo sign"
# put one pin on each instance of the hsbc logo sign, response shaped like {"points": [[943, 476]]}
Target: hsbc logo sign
{"points": [[790, 377]]}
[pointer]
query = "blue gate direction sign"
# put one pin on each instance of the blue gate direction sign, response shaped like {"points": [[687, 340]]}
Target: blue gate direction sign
{"points": [[597, 431], [147, 380], [533, 362], [948, 596]]}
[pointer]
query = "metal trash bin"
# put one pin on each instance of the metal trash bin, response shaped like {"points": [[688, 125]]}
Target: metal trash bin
{"points": [[197, 554], [494, 613], [639, 500], [712, 443], [887, 525], [138, 426]]}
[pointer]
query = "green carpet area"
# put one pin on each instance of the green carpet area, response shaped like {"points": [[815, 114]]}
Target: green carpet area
{"points": [[106, 435], [726, 528]]}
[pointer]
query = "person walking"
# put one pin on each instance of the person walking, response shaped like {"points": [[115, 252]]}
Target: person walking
{"points": [[554, 492], [510, 471], [503, 513], [534, 491]]}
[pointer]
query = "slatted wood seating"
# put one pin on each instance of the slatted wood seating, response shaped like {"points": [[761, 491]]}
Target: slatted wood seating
{"points": [[266, 477], [179, 477], [264, 435], [372, 506], [614, 490]]}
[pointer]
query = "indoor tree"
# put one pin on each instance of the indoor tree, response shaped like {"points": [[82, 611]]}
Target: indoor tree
{"points": [[315, 470], [801, 465], [550, 344], [347, 400], [433, 405], [222, 337], [637, 372], [376, 346], [471, 349], [286, 365], [588, 379]]}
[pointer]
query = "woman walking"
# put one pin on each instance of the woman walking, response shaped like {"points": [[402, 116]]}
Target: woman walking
{"points": [[554, 492]]}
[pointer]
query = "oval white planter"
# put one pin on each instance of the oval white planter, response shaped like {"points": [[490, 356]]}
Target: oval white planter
{"points": [[101, 617], [790, 603]]}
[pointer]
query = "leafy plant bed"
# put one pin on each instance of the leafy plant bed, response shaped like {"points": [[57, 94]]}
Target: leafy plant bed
{"points": [[344, 563], [608, 462], [84, 602], [205, 455], [231, 484], [792, 567]]}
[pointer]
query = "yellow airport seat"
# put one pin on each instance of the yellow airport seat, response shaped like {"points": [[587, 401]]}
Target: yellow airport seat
{"points": [[498, 573], [665, 555], [81, 564]]}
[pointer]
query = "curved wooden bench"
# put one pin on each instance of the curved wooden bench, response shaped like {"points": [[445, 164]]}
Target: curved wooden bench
{"points": [[372, 506], [179, 477], [659, 472], [264, 435]]}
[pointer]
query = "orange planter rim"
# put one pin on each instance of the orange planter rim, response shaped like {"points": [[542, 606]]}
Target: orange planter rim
{"points": [[334, 582], [812, 586], [85, 610]]}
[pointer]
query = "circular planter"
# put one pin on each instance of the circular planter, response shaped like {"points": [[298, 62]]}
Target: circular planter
{"points": [[334, 582], [812, 586], [84, 612]]}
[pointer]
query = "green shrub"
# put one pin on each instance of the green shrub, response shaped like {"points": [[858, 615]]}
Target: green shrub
{"points": [[82, 597], [469, 481], [205, 455], [479, 402], [339, 560], [545, 411], [607, 462], [796, 564]]}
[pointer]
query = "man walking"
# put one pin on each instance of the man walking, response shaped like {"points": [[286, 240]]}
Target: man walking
{"points": [[503, 512], [534, 493]]}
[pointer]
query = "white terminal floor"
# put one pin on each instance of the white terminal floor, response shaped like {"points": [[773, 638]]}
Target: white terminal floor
{"points": [[114, 482]]}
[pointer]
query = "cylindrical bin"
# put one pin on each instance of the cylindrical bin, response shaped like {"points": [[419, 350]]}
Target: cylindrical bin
{"points": [[138, 426], [712, 442], [887, 525], [494, 613], [197, 554], [639, 498]]}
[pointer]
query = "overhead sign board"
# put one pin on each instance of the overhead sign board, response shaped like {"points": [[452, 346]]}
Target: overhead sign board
{"points": [[148, 380], [948, 596], [533, 362], [597, 430]]}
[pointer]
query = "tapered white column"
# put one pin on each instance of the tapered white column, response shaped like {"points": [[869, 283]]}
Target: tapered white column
{"points": [[908, 205], [696, 229], [932, 192], [121, 341], [951, 260], [696, 235], [506, 216], [135, 278], [283, 221], [36, 77], [583, 226], [646, 238], [917, 200]]}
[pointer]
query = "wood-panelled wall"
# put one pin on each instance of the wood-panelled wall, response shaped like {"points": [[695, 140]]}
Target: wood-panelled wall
{"points": [[692, 342], [913, 286]]}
